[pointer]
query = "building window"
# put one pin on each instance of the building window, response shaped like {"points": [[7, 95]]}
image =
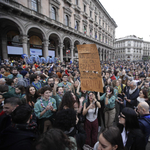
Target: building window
{"points": [[67, 21], [76, 2], [128, 49], [95, 35], [91, 32], [84, 8], [34, 5], [99, 37], [76, 25], [84, 30], [99, 21], [95, 18], [91, 14], [53, 13]]}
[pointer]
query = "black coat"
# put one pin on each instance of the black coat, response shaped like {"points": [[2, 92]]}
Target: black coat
{"points": [[133, 98], [136, 140], [13, 138]]}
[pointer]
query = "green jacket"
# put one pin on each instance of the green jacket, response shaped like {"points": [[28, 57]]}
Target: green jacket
{"points": [[10, 93], [38, 108]]}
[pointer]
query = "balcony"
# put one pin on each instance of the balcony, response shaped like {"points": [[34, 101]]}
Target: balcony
{"points": [[85, 14], [77, 8], [91, 19], [69, 2], [95, 23]]}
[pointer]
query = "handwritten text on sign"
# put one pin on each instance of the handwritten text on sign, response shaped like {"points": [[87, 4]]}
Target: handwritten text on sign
{"points": [[89, 65]]}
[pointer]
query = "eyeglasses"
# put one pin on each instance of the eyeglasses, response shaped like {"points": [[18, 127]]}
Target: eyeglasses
{"points": [[122, 116]]}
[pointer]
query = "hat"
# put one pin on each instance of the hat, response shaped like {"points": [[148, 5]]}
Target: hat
{"points": [[23, 72]]}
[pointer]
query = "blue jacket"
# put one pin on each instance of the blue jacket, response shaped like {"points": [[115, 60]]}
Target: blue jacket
{"points": [[144, 122]]}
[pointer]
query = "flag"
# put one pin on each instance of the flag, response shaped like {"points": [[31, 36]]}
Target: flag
{"points": [[84, 30], [24, 55]]}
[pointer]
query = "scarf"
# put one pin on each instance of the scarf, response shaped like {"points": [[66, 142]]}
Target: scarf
{"points": [[131, 91]]}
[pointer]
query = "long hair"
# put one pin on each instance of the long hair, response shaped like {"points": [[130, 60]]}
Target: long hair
{"points": [[113, 136], [67, 101], [88, 102], [111, 90], [21, 88], [29, 97], [131, 120]]}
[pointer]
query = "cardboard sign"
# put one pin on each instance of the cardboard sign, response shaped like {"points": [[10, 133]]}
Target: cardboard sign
{"points": [[90, 69]]}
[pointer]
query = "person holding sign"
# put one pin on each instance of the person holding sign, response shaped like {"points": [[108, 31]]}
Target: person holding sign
{"points": [[109, 101], [90, 109]]}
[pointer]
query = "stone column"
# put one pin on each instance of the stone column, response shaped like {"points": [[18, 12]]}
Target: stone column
{"points": [[24, 39], [61, 52], [45, 42], [56, 51], [72, 47], [104, 55], [101, 56], [4, 48]]}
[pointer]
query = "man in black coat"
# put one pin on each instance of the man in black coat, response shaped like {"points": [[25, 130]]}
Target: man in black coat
{"points": [[20, 134], [131, 95], [10, 105]]}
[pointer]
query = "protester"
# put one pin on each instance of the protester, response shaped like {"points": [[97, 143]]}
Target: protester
{"points": [[20, 134], [144, 119], [90, 109], [14, 73], [110, 139], [55, 139], [109, 100], [44, 109], [131, 95], [10, 104], [133, 138], [67, 121]]}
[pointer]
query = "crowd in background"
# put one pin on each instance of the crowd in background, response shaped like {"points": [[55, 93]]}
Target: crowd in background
{"points": [[42, 106]]}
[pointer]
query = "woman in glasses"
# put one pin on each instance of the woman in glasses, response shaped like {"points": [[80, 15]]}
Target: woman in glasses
{"points": [[132, 136]]}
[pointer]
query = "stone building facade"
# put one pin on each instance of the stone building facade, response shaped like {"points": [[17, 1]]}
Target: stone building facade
{"points": [[54, 28], [131, 48]]}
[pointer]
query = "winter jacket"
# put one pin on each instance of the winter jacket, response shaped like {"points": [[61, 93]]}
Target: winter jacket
{"points": [[144, 122]]}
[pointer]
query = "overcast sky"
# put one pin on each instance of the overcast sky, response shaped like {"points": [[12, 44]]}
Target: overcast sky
{"points": [[131, 16]]}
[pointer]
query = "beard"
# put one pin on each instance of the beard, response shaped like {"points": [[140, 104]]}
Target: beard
{"points": [[14, 74]]}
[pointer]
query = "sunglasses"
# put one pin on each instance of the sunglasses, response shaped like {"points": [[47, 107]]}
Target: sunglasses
{"points": [[122, 116]]}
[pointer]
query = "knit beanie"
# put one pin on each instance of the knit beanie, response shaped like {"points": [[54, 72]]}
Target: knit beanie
{"points": [[23, 72]]}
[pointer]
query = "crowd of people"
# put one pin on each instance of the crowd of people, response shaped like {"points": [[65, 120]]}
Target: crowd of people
{"points": [[43, 107]]}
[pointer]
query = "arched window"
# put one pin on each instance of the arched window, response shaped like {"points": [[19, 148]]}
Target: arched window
{"points": [[53, 13], [76, 25], [67, 21], [34, 5]]}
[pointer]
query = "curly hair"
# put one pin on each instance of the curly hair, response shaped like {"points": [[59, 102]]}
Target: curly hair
{"points": [[67, 101], [65, 119], [54, 139]]}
